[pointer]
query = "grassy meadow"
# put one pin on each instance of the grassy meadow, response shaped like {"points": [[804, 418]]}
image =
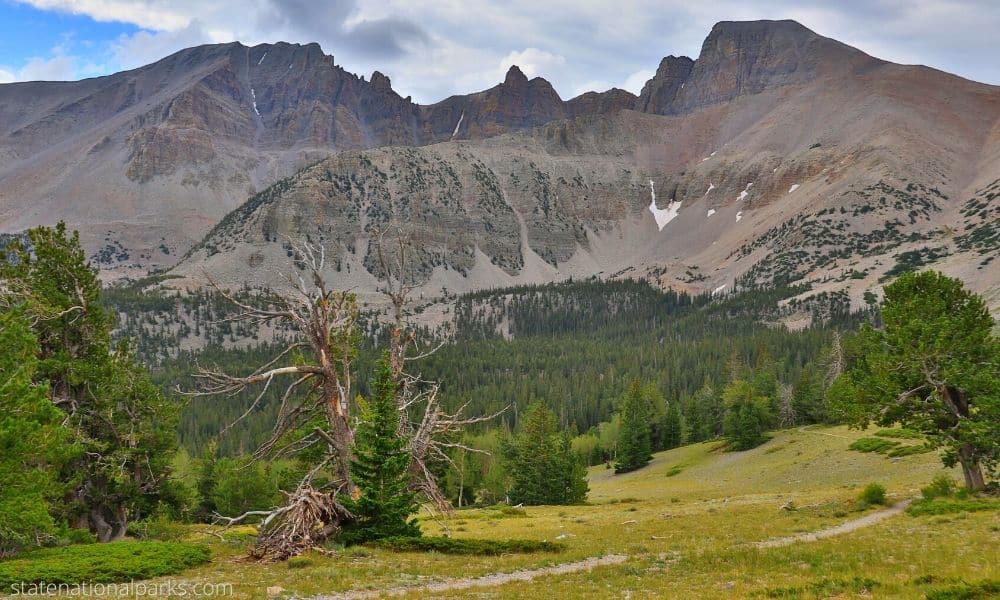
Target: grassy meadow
{"points": [[687, 525]]}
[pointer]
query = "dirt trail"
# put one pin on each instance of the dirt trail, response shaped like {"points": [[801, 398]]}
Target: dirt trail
{"points": [[843, 528], [495, 579], [483, 581]]}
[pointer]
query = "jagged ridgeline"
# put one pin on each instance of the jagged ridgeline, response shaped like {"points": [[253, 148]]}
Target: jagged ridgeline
{"points": [[575, 346]]}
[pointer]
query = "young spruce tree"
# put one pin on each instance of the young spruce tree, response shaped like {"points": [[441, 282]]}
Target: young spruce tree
{"points": [[380, 468], [634, 444], [542, 465]]}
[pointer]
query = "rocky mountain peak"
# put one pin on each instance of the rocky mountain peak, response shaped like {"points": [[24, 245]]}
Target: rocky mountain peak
{"points": [[659, 92], [515, 77], [381, 82]]}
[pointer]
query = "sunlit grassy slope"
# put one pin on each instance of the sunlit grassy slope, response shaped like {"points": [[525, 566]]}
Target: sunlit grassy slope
{"points": [[688, 523]]}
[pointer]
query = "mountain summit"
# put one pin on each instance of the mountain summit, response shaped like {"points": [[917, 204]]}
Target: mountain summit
{"points": [[776, 155]]}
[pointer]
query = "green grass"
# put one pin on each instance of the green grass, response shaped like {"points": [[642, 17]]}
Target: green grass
{"points": [[872, 444], [102, 563], [691, 535], [944, 506], [983, 590], [474, 547], [906, 434]]}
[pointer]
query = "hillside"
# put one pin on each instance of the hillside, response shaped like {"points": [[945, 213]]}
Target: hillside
{"points": [[144, 162], [690, 534], [781, 157]]}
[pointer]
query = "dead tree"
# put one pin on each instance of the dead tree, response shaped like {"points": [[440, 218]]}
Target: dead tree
{"points": [[315, 369]]}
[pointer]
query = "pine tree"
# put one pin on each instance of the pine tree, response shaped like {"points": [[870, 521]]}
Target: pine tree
{"points": [[542, 465], [747, 415], [122, 422], [32, 442], [672, 426], [634, 445], [380, 468]]}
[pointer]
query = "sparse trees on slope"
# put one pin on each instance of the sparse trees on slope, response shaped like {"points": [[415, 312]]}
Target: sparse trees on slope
{"points": [[634, 446], [934, 368]]}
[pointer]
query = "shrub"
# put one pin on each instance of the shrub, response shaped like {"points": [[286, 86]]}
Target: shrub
{"points": [[906, 434], [101, 563], [967, 591], [872, 444], [240, 486], [676, 470], [941, 486], [160, 527], [474, 547], [872, 494], [299, 562], [900, 451], [944, 506]]}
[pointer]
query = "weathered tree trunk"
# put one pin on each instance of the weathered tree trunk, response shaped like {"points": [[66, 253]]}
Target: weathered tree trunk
{"points": [[971, 468]]}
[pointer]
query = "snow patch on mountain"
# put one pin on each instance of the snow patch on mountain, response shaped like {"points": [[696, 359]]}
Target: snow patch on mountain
{"points": [[662, 215]]}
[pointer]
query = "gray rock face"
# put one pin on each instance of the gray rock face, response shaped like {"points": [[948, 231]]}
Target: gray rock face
{"points": [[658, 94]]}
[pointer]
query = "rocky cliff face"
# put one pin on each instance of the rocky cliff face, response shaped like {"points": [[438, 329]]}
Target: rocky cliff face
{"points": [[769, 168], [777, 155], [658, 94], [145, 161]]}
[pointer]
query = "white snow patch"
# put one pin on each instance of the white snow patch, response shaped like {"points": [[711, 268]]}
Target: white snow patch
{"points": [[745, 192], [662, 215], [711, 212], [775, 170], [713, 154], [459, 124], [711, 186], [794, 187], [718, 289], [253, 99], [739, 215], [261, 59]]}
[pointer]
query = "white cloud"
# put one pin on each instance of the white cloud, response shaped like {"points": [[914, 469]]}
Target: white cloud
{"points": [[7, 76], [155, 15], [635, 81], [56, 68], [533, 62], [434, 48]]}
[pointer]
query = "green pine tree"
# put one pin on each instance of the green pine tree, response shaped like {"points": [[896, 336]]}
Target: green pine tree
{"points": [[747, 415], [380, 468], [32, 441], [541, 463], [122, 422], [634, 444], [672, 426]]}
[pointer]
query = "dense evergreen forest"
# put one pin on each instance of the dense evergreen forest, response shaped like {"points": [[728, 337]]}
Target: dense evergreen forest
{"points": [[573, 346]]}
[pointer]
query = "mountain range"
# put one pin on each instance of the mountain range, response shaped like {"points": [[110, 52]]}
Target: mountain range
{"points": [[775, 156]]}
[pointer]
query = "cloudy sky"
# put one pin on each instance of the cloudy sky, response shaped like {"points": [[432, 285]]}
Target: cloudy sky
{"points": [[435, 48]]}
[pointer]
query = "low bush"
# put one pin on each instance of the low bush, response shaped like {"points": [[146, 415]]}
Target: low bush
{"points": [[872, 494], [944, 506], [101, 563], [160, 527], [908, 450], [941, 486], [873, 444], [674, 471], [906, 434], [475, 547], [982, 590]]}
